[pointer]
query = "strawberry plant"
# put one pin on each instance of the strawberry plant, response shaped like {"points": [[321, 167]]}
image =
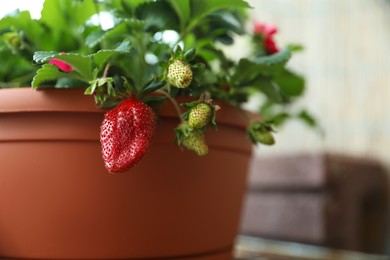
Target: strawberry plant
{"points": [[154, 52]]}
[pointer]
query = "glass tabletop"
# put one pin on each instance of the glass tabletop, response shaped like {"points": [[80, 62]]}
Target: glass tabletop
{"points": [[253, 248]]}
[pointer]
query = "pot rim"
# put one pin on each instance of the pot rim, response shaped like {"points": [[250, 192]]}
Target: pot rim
{"points": [[26, 100]]}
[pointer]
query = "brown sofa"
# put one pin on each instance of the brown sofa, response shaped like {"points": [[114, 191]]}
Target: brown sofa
{"points": [[323, 199]]}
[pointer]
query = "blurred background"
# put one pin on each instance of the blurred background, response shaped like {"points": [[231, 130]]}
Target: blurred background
{"points": [[346, 64], [326, 189]]}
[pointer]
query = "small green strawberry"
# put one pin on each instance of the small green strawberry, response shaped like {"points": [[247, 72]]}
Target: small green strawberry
{"points": [[191, 139], [13, 40], [179, 74], [200, 115], [200, 112], [260, 132], [196, 142]]}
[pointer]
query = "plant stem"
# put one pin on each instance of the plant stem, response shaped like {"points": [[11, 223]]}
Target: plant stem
{"points": [[173, 101], [106, 69], [185, 31], [23, 79], [140, 40], [97, 12]]}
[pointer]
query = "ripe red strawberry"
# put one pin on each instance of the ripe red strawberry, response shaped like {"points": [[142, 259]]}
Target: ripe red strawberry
{"points": [[126, 134]]}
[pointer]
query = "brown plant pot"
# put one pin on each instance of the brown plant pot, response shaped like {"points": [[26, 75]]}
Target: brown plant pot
{"points": [[57, 200]]}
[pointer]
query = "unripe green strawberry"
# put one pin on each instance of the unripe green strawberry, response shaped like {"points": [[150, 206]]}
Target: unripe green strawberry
{"points": [[264, 138], [199, 115], [13, 40], [260, 132], [196, 142], [179, 74]]}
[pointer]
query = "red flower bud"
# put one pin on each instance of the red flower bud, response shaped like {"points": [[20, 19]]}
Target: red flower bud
{"points": [[266, 30], [62, 65], [270, 46]]}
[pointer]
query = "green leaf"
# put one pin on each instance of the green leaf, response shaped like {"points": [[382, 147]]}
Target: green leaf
{"points": [[201, 8], [183, 11], [177, 53], [279, 119], [190, 54], [18, 19], [154, 102], [95, 38], [157, 15], [102, 56], [269, 66], [225, 39], [190, 104], [290, 83], [108, 104], [110, 89], [70, 83], [153, 86], [44, 56], [22, 22], [186, 115], [82, 11], [62, 14], [213, 119], [247, 71], [50, 72], [81, 64], [268, 88], [65, 23], [90, 89], [307, 118], [133, 3], [52, 14], [198, 67], [124, 47], [228, 22], [173, 91], [281, 57], [98, 36], [295, 47]]}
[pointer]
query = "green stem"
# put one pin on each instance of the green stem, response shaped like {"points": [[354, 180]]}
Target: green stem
{"points": [[141, 61], [185, 31], [23, 79], [97, 11], [106, 69], [173, 101]]}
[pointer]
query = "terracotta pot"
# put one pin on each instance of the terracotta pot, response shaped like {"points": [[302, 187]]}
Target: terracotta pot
{"points": [[57, 200]]}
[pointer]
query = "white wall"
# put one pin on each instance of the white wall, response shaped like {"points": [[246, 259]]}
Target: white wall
{"points": [[347, 66], [34, 6]]}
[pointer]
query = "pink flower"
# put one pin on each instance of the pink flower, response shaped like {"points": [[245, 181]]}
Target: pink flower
{"points": [[62, 65], [266, 30]]}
